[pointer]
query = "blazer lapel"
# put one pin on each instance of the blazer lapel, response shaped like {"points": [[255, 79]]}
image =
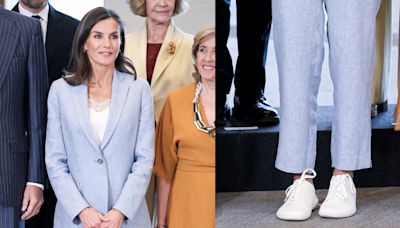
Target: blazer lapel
{"points": [[164, 56], [8, 42], [141, 53], [119, 93], [80, 98], [53, 32]]}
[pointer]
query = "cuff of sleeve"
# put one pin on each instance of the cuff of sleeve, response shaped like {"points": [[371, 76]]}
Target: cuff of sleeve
{"points": [[36, 184], [76, 212], [125, 211]]}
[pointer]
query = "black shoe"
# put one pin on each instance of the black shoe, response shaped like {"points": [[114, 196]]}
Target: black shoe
{"points": [[382, 107], [378, 108], [222, 116], [259, 113]]}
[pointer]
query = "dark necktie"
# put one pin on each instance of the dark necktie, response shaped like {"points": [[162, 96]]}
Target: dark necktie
{"points": [[36, 16]]}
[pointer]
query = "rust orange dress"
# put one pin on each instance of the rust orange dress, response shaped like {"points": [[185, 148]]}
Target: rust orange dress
{"points": [[185, 157]]}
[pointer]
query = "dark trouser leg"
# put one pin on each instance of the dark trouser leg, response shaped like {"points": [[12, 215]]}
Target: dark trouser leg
{"points": [[250, 104], [46, 216], [224, 60], [252, 44]]}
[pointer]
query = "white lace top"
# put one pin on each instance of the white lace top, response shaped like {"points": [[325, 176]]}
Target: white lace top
{"points": [[98, 116]]}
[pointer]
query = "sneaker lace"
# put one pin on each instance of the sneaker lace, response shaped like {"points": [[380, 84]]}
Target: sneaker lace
{"points": [[337, 189], [294, 188]]}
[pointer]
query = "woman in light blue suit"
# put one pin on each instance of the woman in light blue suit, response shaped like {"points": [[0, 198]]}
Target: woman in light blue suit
{"points": [[100, 132]]}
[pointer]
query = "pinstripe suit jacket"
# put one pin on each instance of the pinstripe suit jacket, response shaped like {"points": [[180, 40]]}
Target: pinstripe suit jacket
{"points": [[23, 92]]}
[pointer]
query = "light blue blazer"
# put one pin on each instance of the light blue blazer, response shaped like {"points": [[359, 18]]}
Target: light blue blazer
{"points": [[114, 175]]}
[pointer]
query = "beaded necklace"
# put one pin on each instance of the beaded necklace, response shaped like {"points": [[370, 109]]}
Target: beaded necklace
{"points": [[198, 121]]}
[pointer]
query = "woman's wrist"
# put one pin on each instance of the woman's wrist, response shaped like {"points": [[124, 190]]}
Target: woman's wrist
{"points": [[161, 226]]}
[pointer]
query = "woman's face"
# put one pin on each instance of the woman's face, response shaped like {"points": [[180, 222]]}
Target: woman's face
{"points": [[205, 61], [103, 43], [160, 11]]}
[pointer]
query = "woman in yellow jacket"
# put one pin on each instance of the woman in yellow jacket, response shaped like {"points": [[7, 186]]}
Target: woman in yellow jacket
{"points": [[161, 51]]}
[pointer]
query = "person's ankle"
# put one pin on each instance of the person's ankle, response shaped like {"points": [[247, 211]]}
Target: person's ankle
{"points": [[297, 176], [341, 172]]}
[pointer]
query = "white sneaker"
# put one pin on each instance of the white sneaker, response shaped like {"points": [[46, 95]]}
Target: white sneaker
{"points": [[300, 199], [341, 199]]}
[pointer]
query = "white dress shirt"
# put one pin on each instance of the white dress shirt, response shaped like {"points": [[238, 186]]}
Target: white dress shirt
{"points": [[44, 16]]}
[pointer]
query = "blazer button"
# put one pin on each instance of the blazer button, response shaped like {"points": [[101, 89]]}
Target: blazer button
{"points": [[100, 161]]}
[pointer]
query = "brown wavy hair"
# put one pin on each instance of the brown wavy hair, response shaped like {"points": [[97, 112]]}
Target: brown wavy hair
{"points": [[80, 68], [138, 7]]}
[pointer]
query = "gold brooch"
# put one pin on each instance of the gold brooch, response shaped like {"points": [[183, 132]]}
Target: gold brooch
{"points": [[171, 48]]}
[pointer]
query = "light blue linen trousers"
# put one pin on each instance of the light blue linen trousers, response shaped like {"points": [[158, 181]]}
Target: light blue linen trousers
{"points": [[298, 37]]}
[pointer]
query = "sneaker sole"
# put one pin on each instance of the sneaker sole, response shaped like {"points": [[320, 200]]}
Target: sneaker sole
{"points": [[294, 218], [337, 216]]}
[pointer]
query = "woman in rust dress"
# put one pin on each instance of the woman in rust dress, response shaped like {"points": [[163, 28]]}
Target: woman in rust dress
{"points": [[185, 145]]}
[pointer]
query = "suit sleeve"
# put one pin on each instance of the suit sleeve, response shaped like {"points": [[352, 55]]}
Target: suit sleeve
{"points": [[56, 162], [135, 187], [37, 87]]}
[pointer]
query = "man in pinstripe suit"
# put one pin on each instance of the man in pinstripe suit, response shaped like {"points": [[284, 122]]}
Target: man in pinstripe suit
{"points": [[23, 92], [58, 30]]}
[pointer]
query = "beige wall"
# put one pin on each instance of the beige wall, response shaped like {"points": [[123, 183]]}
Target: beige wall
{"points": [[200, 13]]}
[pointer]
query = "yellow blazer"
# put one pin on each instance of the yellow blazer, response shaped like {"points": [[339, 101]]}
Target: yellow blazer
{"points": [[171, 71]]}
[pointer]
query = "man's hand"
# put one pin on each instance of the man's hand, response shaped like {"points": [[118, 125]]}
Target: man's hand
{"points": [[91, 218], [113, 219], [33, 200]]}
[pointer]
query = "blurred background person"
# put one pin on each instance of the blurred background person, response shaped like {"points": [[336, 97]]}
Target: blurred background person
{"points": [[100, 131], [58, 32], [383, 51], [250, 104], [161, 53], [185, 145], [396, 114]]}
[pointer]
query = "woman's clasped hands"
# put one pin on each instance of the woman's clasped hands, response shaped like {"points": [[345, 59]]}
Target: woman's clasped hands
{"points": [[91, 218]]}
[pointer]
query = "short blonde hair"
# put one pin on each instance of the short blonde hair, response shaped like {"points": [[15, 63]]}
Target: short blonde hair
{"points": [[201, 36], [138, 7]]}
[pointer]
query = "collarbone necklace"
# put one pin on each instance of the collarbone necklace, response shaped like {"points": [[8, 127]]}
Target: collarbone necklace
{"points": [[198, 121]]}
